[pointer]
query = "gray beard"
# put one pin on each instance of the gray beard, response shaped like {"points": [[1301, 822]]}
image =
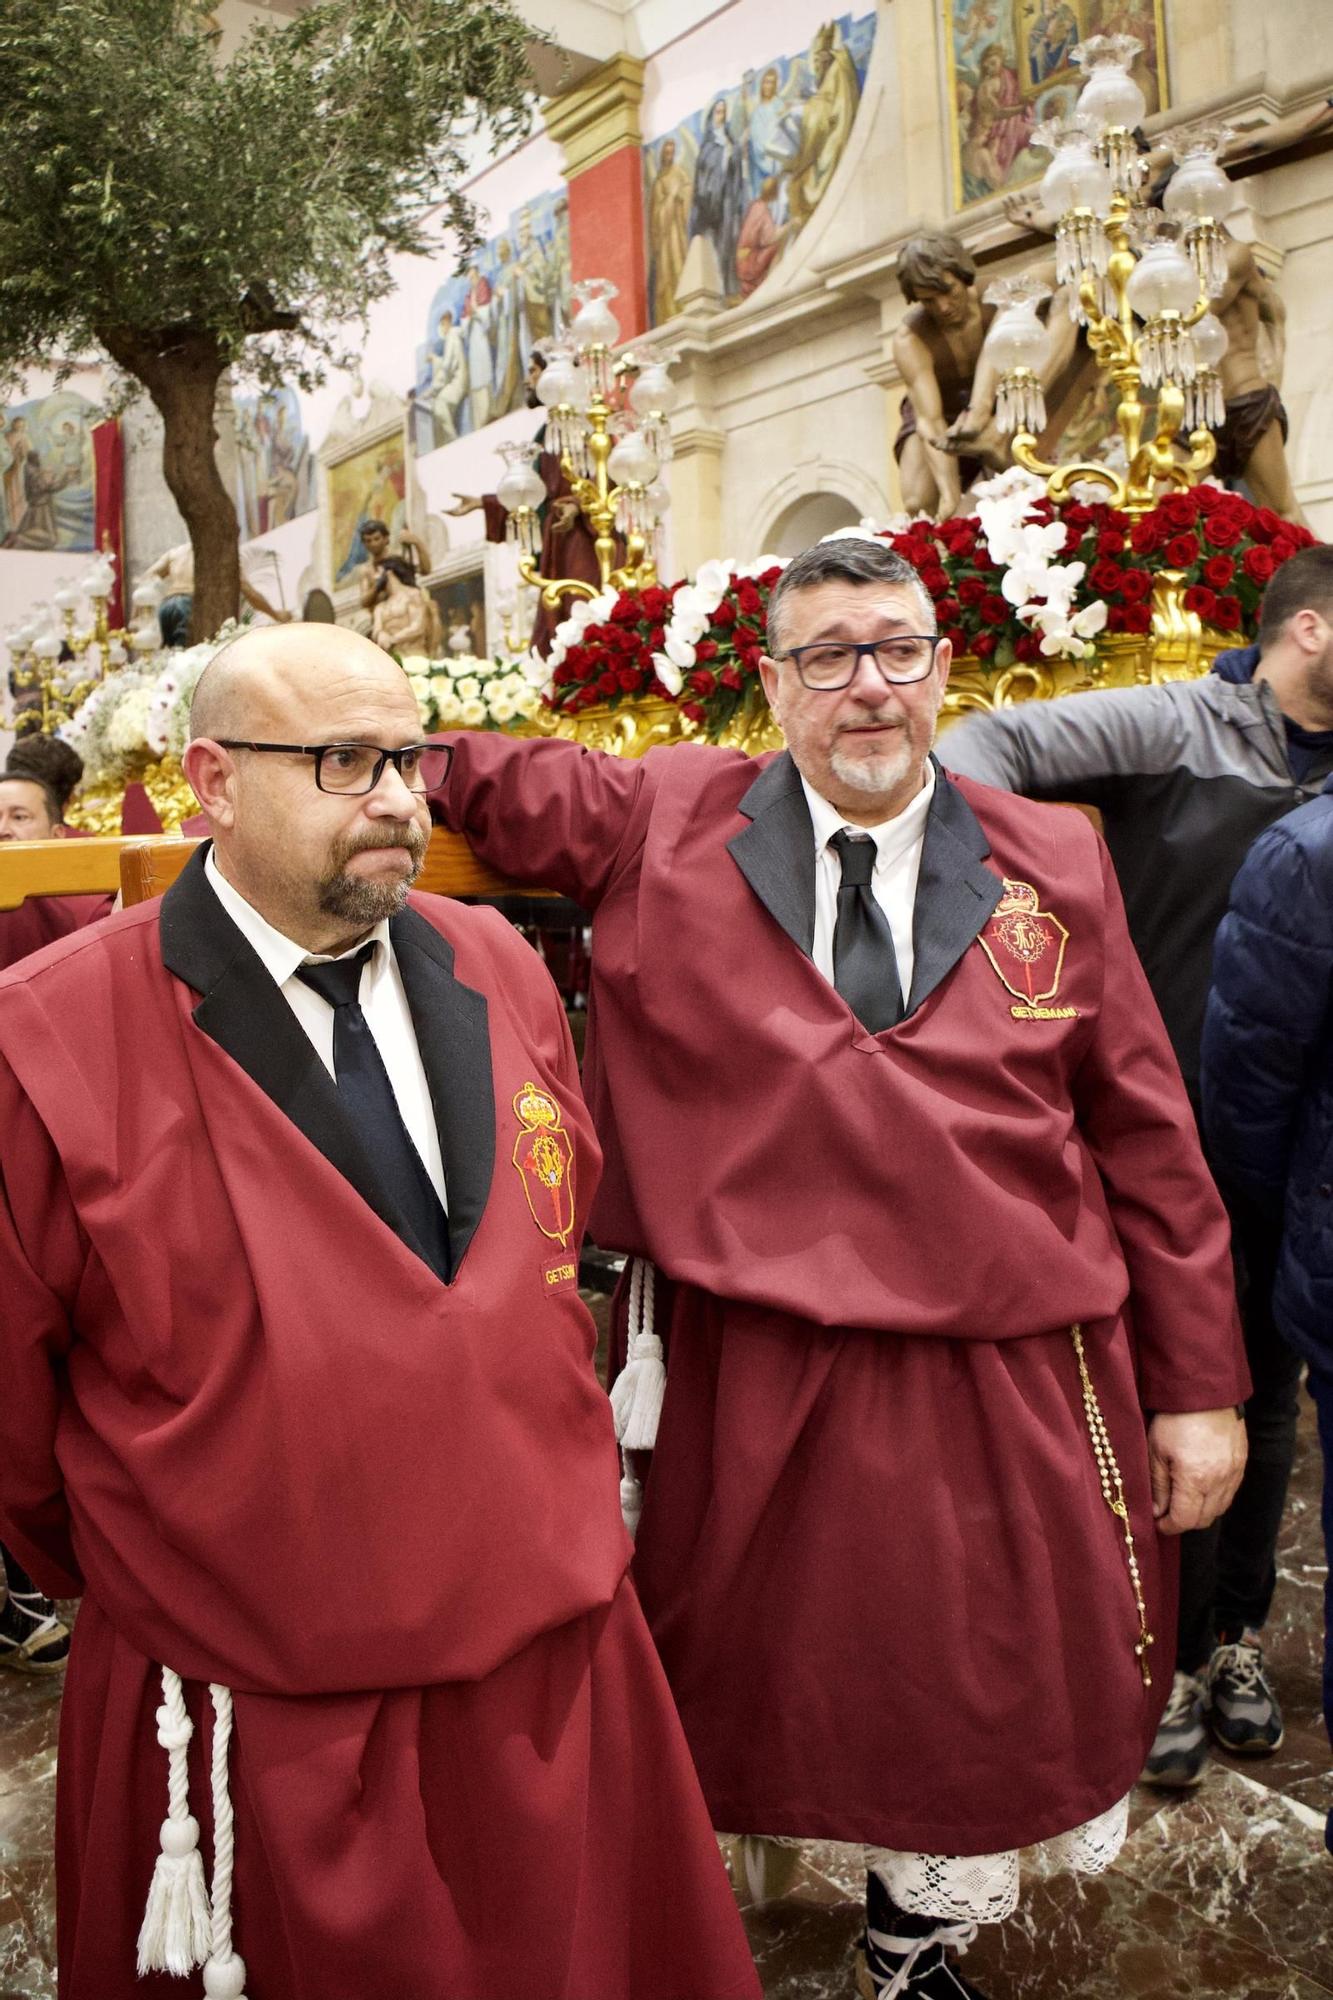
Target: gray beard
{"points": [[359, 902]]}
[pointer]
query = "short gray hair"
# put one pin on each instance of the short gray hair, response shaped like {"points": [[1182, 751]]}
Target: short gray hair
{"points": [[846, 559]]}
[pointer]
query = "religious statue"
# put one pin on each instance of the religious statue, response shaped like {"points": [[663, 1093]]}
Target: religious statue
{"points": [[404, 618], [937, 348]]}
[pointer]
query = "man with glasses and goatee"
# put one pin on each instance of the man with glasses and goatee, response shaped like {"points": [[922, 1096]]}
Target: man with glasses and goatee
{"points": [[920, 1226], [298, 1394]]}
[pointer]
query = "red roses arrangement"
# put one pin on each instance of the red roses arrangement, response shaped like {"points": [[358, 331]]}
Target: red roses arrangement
{"points": [[700, 643]]}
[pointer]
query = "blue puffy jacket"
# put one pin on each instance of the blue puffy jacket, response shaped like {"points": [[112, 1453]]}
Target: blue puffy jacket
{"points": [[1267, 1059]]}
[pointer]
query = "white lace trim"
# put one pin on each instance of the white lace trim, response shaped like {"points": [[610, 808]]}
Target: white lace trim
{"points": [[983, 1888]]}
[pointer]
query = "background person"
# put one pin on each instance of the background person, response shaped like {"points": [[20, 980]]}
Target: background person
{"points": [[1268, 1096]]}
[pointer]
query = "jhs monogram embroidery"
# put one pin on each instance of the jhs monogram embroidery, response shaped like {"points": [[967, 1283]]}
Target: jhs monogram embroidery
{"points": [[1026, 946], [544, 1157]]}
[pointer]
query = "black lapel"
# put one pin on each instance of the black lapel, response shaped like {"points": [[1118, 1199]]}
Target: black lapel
{"points": [[454, 1037], [776, 852], [244, 1013], [955, 895]]}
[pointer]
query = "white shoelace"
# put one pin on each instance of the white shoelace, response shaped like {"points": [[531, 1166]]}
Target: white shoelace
{"points": [[960, 1936]]}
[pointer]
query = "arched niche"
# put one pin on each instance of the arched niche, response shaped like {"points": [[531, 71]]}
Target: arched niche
{"points": [[808, 519]]}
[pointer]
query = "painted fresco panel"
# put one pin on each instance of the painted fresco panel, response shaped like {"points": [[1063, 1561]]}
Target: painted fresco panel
{"points": [[46, 473], [368, 485], [275, 471], [512, 294], [749, 168], [1010, 66]]}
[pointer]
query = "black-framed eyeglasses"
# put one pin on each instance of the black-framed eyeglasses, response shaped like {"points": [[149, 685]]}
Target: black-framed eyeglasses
{"points": [[358, 767], [833, 663]]}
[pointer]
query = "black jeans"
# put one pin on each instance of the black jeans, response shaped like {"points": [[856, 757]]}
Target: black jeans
{"points": [[1228, 1571]]}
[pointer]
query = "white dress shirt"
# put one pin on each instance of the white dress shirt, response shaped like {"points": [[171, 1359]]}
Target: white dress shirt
{"points": [[383, 1002], [898, 844]]}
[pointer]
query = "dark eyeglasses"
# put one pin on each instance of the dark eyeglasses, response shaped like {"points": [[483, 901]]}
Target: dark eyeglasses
{"points": [[358, 767], [834, 663]]}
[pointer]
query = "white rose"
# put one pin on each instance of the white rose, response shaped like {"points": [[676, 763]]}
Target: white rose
{"points": [[502, 710], [468, 688], [529, 702], [670, 675], [472, 713], [448, 710]]}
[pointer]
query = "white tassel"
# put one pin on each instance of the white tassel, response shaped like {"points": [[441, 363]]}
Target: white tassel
{"points": [[636, 1399], [174, 1936], [224, 1974]]}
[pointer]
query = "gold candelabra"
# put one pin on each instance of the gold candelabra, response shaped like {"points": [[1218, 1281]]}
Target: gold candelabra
{"points": [[610, 444], [62, 662], [1139, 281]]}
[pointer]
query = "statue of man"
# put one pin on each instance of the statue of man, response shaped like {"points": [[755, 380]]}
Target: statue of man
{"points": [[937, 348], [1251, 444]]}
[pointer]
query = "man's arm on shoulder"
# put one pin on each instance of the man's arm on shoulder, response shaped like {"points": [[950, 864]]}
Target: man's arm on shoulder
{"points": [[42, 1255], [1173, 1232], [549, 813], [1270, 1011], [1080, 747], [1133, 1113]]}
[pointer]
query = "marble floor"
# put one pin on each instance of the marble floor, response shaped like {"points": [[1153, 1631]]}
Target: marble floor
{"points": [[1225, 1893]]}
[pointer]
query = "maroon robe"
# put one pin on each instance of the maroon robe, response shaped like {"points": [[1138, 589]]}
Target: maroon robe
{"points": [[40, 920], [889, 1595], [247, 1419]]}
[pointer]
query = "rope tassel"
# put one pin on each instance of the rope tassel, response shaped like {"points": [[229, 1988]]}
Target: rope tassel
{"points": [[636, 1399], [176, 1931]]}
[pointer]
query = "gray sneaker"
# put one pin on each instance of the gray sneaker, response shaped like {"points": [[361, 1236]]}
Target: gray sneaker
{"points": [[1180, 1748], [1242, 1708]]}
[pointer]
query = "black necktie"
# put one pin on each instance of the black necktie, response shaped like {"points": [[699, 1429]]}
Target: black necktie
{"points": [[865, 964], [368, 1099]]}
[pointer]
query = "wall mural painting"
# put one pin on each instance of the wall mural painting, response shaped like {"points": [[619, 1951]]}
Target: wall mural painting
{"points": [[1011, 66], [368, 485], [275, 472], [511, 295], [46, 473], [749, 168]]}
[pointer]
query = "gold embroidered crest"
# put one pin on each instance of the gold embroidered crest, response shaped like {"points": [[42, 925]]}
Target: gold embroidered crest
{"points": [[1026, 946], [544, 1156]]}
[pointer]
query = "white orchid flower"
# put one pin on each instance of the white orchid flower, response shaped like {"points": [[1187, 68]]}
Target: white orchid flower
{"points": [[670, 675], [535, 670], [1090, 621], [712, 581], [680, 651]]}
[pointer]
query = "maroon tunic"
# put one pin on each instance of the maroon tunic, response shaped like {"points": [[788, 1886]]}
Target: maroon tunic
{"points": [[891, 1600], [40, 920], [247, 1418]]}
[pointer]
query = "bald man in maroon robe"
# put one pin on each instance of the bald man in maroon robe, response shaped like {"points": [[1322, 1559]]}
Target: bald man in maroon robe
{"points": [[298, 1394], [941, 1279]]}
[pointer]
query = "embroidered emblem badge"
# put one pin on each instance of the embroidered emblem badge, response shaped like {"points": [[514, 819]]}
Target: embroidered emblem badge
{"points": [[1026, 946], [544, 1156]]}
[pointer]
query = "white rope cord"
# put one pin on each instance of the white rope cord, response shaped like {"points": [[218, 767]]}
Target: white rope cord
{"points": [[636, 1398], [174, 1936], [224, 1973]]}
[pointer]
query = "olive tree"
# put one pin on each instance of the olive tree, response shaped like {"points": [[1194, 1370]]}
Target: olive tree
{"points": [[179, 213]]}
